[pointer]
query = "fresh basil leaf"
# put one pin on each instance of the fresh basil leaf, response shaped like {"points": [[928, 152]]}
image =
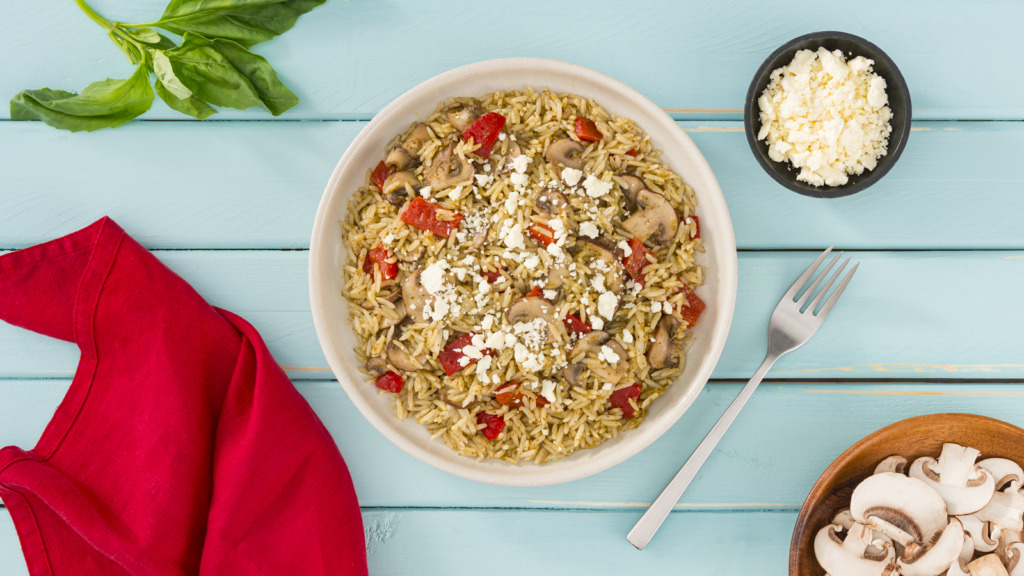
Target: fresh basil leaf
{"points": [[192, 106], [247, 22], [103, 104], [146, 35], [165, 75], [224, 73]]}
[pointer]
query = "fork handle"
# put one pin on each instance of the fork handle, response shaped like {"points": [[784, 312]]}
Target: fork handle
{"points": [[649, 523]]}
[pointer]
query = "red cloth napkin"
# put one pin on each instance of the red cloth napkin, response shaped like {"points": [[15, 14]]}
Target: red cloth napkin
{"points": [[181, 447]]}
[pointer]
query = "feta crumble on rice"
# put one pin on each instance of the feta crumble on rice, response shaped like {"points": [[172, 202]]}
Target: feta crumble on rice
{"points": [[826, 116]]}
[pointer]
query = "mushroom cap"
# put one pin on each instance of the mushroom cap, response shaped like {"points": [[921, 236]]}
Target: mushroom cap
{"points": [[401, 359], [1007, 540], [399, 186], [376, 365], [663, 352], [655, 220], [980, 532], [591, 345], [1014, 553], [904, 509], [528, 308], [963, 485], [460, 116], [418, 136], [632, 186], [988, 565], [894, 463], [1004, 471], [938, 557], [398, 159], [565, 151], [448, 169], [551, 201], [415, 296], [590, 250], [846, 558], [1005, 510]]}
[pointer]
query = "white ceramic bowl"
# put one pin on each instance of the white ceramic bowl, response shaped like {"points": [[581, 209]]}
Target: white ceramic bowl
{"points": [[327, 256]]}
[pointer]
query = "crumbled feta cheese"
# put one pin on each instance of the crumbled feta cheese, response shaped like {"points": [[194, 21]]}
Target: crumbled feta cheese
{"points": [[456, 192], [547, 390], [501, 136], [571, 176], [519, 163], [596, 323], [827, 117], [472, 352], [519, 180], [531, 262], [432, 276], [666, 308], [624, 246], [514, 237], [588, 229], [495, 340], [483, 180], [596, 188], [607, 355], [486, 324], [606, 304], [550, 294], [627, 336], [607, 386]]}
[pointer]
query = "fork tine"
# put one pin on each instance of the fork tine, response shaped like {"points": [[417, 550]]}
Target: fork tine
{"points": [[791, 293], [807, 293], [827, 307], [817, 299]]}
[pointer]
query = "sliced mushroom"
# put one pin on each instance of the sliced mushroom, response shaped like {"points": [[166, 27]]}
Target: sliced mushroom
{"points": [[605, 357], [894, 463], [412, 255], [654, 221], [415, 296], [856, 555], [1014, 564], [980, 533], [592, 250], [1008, 539], [387, 321], [902, 508], [400, 186], [479, 238], [528, 308], [399, 159], [376, 365], [416, 139], [988, 565], [935, 558], [514, 151], [556, 277], [633, 186], [448, 169], [565, 151], [963, 485], [461, 116], [401, 359], [551, 201], [1004, 471], [663, 352]]}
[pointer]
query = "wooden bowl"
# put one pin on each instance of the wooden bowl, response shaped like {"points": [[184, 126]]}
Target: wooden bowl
{"points": [[912, 438]]}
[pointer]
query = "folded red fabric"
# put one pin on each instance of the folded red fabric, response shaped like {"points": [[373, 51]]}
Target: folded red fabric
{"points": [[181, 447]]}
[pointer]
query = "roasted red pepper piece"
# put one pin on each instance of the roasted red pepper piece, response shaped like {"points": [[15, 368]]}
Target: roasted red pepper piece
{"points": [[576, 325], [423, 215], [390, 382], [542, 402], [636, 261], [586, 130], [620, 399], [492, 277], [493, 424], [535, 292], [379, 175], [451, 356], [632, 152], [542, 233], [509, 394], [384, 260], [485, 132], [694, 306]]}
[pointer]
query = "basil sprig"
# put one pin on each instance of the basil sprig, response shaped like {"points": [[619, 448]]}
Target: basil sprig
{"points": [[212, 66]]}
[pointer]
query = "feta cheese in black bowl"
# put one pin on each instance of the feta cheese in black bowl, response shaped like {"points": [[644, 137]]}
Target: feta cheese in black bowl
{"points": [[827, 114]]}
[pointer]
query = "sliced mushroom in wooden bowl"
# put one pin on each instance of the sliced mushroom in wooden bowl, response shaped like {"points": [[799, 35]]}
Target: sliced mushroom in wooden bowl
{"points": [[939, 492]]}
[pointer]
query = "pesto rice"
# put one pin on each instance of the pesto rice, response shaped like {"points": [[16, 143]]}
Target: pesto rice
{"points": [[519, 274]]}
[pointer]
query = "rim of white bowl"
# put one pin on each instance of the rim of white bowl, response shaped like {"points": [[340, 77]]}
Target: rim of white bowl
{"points": [[506, 74]]}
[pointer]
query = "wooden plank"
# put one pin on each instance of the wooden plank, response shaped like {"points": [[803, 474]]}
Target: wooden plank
{"points": [[349, 59], [764, 462], [921, 315], [443, 542], [258, 184]]}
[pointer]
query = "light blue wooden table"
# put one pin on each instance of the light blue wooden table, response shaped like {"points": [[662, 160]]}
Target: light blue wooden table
{"points": [[933, 321]]}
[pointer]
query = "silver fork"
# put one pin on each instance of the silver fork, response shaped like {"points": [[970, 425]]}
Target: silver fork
{"points": [[792, 324]]}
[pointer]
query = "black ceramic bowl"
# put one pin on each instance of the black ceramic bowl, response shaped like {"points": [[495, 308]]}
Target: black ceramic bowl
{"points": [[851, 46]]}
